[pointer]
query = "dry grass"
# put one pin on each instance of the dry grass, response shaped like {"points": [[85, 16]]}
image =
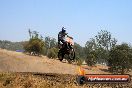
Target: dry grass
{"points": [[17, 71], [52, 73], [18, 62], [48, 80]]}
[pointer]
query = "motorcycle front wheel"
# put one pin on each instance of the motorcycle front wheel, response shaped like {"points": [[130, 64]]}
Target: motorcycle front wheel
{"points": [[71, 55]]}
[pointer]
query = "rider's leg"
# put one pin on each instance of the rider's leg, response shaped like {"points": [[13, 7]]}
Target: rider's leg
{"points": [[65, 44]]}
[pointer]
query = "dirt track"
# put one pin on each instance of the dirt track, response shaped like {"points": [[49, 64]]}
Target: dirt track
{"points": [[18, 70], [18, 62], [48, 80]]}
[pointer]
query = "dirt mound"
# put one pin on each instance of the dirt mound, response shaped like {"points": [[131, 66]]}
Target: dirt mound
{"points": [[41, 72], [18, 62]]}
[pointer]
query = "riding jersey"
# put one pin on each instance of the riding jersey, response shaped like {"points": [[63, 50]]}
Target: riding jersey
{"points": [[61, 36]]}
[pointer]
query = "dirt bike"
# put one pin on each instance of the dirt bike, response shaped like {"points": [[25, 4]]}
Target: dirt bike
{"points": [[67, 49]]}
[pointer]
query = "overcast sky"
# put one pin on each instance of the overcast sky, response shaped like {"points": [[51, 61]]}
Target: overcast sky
{"points": [[82, 18]]}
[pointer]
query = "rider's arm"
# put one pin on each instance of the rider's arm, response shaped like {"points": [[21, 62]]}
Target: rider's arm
{"points": [[66, 33], [70, 37]]}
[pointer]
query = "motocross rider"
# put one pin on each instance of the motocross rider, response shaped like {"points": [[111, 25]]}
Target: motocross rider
{"points": [[61, 37]]}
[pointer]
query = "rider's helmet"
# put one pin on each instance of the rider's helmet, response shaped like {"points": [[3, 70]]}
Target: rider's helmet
{"points": [[63, 30]]}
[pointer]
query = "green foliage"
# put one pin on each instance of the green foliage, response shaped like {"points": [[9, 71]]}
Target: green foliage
{"points": [[11, 45], [104, 43], [91, 58], [80, 55], [100, 45], [79, 61], [50, 42], [120, 60], [52, 53], [79, 51], [90, 46], [51, 47], [35, 44], [104, 40]]}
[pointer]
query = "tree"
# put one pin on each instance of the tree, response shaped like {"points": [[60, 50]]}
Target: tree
{"points": [[104, 40], [104, 43], [91, 58], [29, 33], [79, 51], [120, 59], [35, 45], [100, 45], [11, 45], [90, 45], [49, 43], [90, 51], [52, 52]]}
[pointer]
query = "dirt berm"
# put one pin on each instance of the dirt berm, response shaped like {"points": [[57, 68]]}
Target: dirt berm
{"points": [[18, 70]]}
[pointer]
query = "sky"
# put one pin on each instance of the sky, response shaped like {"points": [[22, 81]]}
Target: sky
{"points": [[83, 19]]}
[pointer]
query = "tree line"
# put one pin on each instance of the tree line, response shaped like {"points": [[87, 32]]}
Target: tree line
{"points": [[101, 49], [4, 44]]}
